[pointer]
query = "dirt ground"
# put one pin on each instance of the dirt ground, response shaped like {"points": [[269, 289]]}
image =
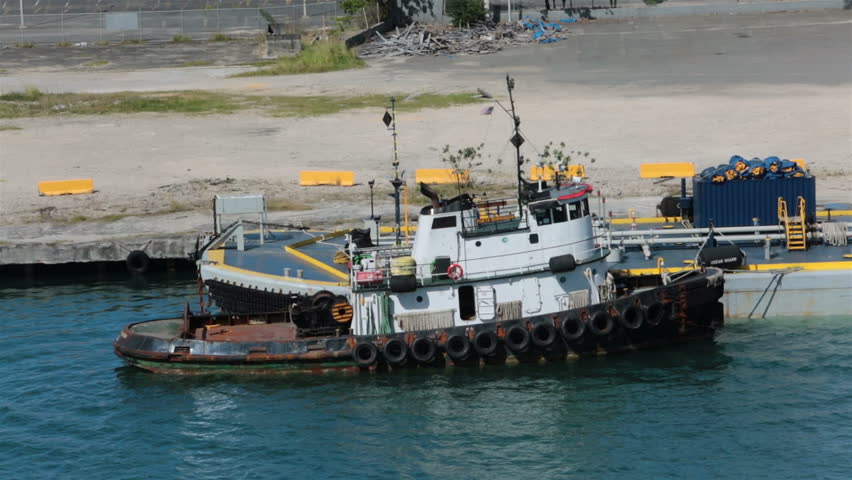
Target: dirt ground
{"points": [[149, 164]]}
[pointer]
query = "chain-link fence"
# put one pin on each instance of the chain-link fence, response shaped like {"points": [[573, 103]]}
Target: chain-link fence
{"points": [[52, 29]]}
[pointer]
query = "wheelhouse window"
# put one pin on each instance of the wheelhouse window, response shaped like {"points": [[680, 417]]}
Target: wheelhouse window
{"points": [[542, 217], [444, 222], [576, 210], [586, 207], [560, 214]]}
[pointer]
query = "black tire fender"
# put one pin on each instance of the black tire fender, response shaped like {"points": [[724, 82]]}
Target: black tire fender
{"points": [[544, 335], [395, 352], [632, 317], [517, 339], [485, 343], [423, 350], [601, 324], [138, 261], [572, 328], [365, 354], [458, 347], [656, 314]]}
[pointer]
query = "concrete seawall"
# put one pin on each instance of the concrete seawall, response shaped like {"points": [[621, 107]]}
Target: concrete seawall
{"points": [[175, 247]]}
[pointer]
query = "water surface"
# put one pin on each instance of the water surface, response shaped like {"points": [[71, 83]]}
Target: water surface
{"points": [[769, 399]]}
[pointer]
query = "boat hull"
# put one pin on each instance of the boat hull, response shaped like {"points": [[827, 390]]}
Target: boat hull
{"points": [[685, 311]]}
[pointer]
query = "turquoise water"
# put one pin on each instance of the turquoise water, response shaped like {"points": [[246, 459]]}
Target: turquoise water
{"points": [[770, 399]]}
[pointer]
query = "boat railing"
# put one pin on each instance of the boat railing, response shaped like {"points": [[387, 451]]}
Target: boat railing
{"points": [[493, 216]]}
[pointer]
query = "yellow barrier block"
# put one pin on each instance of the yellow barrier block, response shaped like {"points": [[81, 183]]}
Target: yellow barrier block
{"points": [[801, 163], [314, 178], [66, 187], [663, 170], [440, 175], [547, 172]]}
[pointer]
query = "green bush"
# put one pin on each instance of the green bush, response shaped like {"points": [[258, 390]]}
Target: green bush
{"points": [[466, 12], [181, 39], [326, 56]]}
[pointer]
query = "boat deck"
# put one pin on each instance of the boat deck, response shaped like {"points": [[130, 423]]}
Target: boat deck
{"points": [[277, 253]]}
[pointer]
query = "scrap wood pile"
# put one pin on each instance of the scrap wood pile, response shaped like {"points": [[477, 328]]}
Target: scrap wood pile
{"points": [[482, 38]]}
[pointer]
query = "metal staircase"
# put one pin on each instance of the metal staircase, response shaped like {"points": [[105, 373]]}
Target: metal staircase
{"points": [[795, 228]]}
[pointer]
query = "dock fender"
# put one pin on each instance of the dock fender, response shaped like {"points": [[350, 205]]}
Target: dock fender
{"points": [[517, 339], [395, 352], [562, 263], [601, 324], [544, 335], [572, 328], [485, 343], [365, 354], [656, 313], [631, 317], [423, 350], [458, 347], [138, 261]]}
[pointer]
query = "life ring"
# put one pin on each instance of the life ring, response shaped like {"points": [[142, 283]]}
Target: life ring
{"points": [[423, 350], [455, 271], [137, 261], [517, 339], [365, 354], [458, 347], [543, 335], [485, 343], [632, 317], [395, 352], [601, 324], [341, 310], [572, 328]]}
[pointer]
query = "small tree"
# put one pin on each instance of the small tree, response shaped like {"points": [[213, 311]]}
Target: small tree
{"points": [[466, 12], [558, 158]]}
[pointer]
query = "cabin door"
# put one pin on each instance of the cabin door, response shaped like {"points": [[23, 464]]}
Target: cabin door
{"points": [[486, 303]]}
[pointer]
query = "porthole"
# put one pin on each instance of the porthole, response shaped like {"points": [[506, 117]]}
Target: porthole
{"points": [[561, 280], [478, 243], [419, 299]]}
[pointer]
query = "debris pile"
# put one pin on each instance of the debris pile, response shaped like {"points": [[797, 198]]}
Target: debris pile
{"points": [[482, 38]]}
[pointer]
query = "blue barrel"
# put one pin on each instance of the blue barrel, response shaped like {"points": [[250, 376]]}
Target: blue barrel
{"points": [[733, 204]]}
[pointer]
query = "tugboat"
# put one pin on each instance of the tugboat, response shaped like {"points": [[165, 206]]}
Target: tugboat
{"points": [[484, 282]]}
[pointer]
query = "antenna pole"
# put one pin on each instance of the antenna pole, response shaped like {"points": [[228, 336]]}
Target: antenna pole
{"points": [[396, 182], [517, 141]]}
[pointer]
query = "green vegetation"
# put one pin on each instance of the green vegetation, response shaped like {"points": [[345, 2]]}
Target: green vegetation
{"points": [[4, 128], [102, 43], [181, 39], [25, 45], [96, 63], [283, 204], [321, 57], [35, 103], [63, 44], [466, 12], [132, 42], [196, 63], [221, 37], [654, 2]]}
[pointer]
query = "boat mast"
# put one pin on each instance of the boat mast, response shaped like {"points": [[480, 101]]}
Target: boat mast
{"points": [[390, 121], [517, 140]]}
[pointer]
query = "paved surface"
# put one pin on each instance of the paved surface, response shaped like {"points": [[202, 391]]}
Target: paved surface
{"points": [[642, 90]]}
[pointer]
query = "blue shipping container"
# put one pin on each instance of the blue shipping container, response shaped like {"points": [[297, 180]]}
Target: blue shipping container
{"points": [[736, 203]]}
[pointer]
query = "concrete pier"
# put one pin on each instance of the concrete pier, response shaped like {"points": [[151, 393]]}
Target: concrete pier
{"points": [[174, 247]]}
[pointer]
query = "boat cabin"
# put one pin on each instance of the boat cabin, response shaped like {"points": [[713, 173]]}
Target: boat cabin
{"points": [[474, 261]]}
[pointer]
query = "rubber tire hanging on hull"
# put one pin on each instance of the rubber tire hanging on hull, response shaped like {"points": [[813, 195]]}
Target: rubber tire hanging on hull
{"points": [[601, 324], [517, 339], [459, 348], [423, 350], [572, 328], [137, 261], [544, 335], [485, 343], [365, 354], [656, 314], [632, 317], [395, 352]]}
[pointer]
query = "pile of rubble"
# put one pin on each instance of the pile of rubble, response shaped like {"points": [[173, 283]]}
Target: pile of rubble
{"points": [[482, 38]]}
